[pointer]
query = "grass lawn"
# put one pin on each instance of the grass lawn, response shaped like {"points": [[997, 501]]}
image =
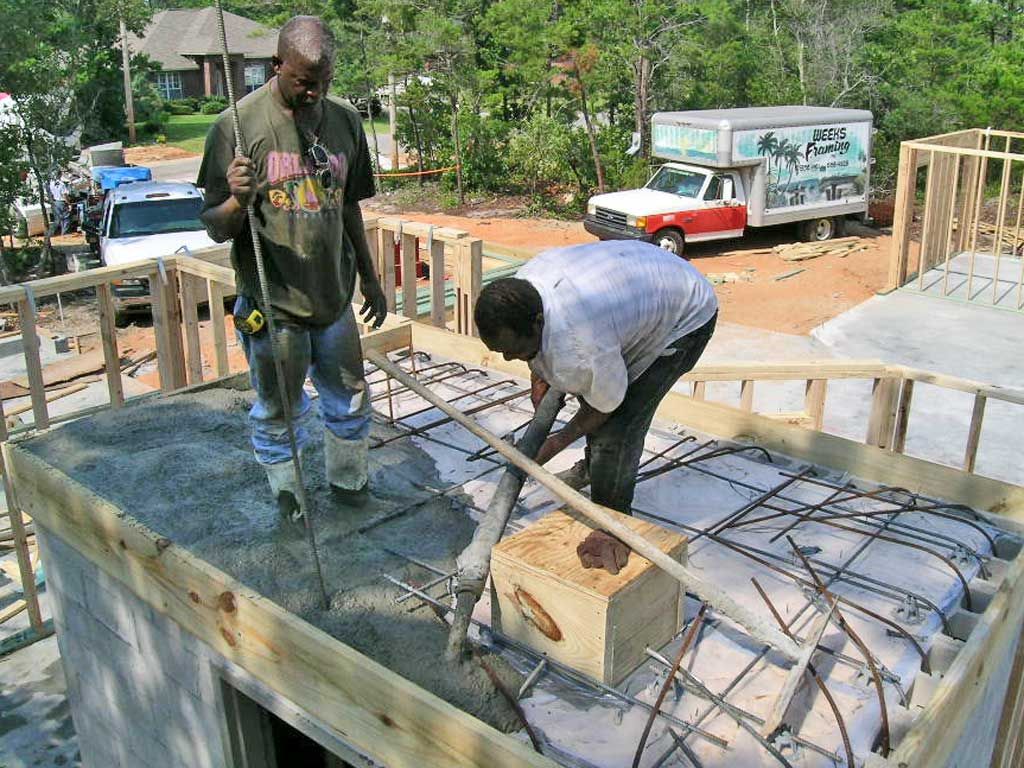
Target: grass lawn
{"points": [[188, 131], [380, 123]]}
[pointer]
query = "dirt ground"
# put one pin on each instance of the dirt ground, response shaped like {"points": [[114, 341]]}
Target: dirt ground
{"points": [[828, 286], [154, 152]]}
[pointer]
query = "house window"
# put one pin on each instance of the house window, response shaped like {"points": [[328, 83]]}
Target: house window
{"points": [[169, 85], [255, 76]]}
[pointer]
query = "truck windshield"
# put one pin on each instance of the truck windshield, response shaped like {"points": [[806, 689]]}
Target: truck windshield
{"points": [[677, 181], [156, 217]]}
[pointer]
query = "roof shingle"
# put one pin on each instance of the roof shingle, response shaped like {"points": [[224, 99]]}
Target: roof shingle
{"points": [[172, 36]]}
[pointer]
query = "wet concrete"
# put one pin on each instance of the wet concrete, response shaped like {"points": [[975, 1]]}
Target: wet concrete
{"points": [[183, 466]]}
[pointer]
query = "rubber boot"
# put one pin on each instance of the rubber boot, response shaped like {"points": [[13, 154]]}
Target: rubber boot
{"points": [[347, 468], [281, 477]]}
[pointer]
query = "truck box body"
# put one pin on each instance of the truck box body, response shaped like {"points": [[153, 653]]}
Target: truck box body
{"points": [[785, 164]]}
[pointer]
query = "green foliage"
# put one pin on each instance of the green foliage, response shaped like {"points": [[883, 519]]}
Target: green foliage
{"points": [[213, 106], [188, 132], [187, 106]]}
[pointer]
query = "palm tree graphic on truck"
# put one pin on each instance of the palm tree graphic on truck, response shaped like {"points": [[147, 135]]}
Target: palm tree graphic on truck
{"points": [[785, 156]]}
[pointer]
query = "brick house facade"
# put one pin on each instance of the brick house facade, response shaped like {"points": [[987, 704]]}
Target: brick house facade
{"points": [[186, 46]]}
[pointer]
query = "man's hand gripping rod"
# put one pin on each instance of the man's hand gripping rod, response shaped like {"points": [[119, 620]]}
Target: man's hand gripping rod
{"points": [[282, 387]]}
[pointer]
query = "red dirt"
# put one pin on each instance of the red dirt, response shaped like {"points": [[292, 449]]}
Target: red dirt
{"points": [[150, 153], [829, 285]]}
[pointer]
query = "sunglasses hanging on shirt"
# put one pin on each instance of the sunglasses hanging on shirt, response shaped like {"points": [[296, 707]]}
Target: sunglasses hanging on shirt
{"points": [[322, 160]]}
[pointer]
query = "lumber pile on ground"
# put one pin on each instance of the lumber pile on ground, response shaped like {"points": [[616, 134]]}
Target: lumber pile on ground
{"points": [[841, 247], [1010, 236]]}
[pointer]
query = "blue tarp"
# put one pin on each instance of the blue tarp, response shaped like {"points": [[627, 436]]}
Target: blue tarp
{"points": [[111, 176]]}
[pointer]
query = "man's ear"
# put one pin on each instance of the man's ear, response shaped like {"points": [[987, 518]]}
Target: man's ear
{"points": [[275, 64], [538, 323]]}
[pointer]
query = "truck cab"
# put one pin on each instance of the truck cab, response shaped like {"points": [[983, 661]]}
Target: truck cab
{"points": [[706, 204], [147, 220], [728, 170]]}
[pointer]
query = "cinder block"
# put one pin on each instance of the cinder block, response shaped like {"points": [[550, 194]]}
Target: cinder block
{"points": [[66, 570], [193, 732], [112, 607], [168, 650]]}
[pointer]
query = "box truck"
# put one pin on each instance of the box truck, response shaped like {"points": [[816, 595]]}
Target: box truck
{"points": [[730, 169]]}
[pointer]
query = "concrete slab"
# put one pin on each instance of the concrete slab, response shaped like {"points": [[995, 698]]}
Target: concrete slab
{"points": [[971, 341], [980, 278]]}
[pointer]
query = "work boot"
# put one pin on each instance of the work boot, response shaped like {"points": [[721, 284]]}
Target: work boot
{"points": [[347, 469], [577, 476], [281, 477]]}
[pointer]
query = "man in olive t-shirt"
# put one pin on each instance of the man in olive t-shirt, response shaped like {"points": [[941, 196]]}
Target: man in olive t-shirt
{"points": [[307, 168]]}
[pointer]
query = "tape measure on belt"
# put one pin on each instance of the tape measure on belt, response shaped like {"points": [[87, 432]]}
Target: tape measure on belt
{"points": [[250, 324]]}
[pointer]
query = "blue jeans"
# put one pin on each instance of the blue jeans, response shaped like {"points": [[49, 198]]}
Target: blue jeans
{"points": [[332, 357]]}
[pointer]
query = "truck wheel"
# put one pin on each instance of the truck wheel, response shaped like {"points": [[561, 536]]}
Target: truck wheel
{"points": [[818, 230], [121, 320], [671, 240]]}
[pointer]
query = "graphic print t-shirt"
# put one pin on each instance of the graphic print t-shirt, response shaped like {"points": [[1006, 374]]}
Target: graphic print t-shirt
{"points": [[309, 257]]}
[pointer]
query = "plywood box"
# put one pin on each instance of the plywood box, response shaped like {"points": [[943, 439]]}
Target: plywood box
{"points": [[594, 622]]}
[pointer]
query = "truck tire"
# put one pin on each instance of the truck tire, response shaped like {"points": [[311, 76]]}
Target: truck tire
{"points": [[819, 230], [671, 240]]}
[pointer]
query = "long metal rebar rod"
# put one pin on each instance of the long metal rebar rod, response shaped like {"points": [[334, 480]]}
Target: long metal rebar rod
{"points": [[855, 638], [268, 312], [691, 635]]}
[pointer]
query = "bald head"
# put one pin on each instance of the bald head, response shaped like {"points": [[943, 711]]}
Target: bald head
{"points": [[308, 39], [304, 63]]}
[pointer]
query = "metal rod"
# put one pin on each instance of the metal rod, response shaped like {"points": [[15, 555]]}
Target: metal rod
{"points": [[565, 671], [695, 626], [845, 626], [814, 673], [282, 384]]}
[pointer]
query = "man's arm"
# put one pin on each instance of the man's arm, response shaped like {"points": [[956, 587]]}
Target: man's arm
{"points": [[586, 421], [375, 306], [224, 221]]}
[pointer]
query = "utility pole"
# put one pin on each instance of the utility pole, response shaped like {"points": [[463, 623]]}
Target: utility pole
{"points": [[129, 106], [392, 119]]}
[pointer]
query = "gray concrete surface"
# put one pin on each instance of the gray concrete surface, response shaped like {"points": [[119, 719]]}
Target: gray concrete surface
{"points": [[982, 279], [971, 341]]}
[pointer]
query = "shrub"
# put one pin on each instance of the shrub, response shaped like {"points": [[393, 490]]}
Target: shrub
{"points": [[182, 106], [213, 106]]}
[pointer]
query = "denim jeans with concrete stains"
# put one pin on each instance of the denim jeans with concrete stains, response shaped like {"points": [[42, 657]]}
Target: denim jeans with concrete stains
{"points": [[331, 356], [613, 452]]}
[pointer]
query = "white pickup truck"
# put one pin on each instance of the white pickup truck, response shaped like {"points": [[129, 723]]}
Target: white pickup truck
{"points": [[730, 169], [145, 220]]}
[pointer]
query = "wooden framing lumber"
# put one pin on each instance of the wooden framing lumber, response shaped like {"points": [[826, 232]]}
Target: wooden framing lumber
{"points": [[215, 299], [30, 345], [870, 462], [381, 713], [108, 334]]}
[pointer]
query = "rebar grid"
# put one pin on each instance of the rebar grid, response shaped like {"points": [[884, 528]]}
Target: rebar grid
{"points": [[774, 504]]}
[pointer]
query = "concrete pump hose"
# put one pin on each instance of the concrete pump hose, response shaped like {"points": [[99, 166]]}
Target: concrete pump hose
{"points": [[475, 561]]}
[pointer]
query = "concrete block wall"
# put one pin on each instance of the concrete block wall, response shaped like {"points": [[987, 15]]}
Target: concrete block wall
{"points": [[142, 691]]}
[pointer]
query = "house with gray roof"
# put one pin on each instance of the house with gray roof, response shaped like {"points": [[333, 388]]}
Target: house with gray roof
{"points": [[186, 45]]}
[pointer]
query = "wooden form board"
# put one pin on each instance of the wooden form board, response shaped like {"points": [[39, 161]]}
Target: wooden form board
{"points": [[595, 622], [394, 721]]}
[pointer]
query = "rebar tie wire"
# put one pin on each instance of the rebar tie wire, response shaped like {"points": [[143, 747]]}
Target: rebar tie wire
{"points": [[282, 384]]}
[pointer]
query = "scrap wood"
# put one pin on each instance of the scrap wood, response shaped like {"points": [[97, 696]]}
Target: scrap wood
{"points": [[786, 275], [134, 365], [842, 246], [50, 397], [69, 369], [795, 676], [13, 610]]}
